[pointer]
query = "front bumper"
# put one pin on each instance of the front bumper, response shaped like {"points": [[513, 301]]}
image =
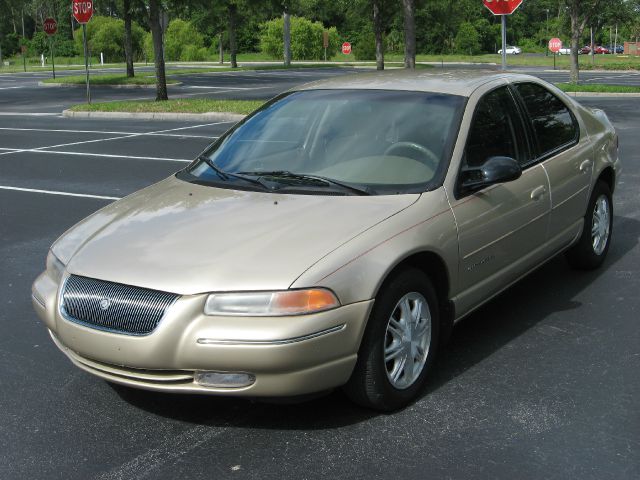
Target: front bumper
{"points": [[286, 355]]}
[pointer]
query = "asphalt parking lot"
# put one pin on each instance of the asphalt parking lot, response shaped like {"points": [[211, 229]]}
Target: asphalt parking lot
{"points": [[540, 383]]}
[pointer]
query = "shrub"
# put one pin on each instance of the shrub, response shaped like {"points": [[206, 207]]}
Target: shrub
{"points": [[306, 39], [365, 45], [191, 53], [10, 44], [467, 40], [38, 44], [106, 35], [180, 37]]}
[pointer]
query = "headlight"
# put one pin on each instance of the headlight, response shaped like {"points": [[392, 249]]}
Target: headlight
{"points": [[271, 304], [54, 266]]}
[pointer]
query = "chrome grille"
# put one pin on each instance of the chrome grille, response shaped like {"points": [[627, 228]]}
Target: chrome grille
{"points": [[113, 306]]}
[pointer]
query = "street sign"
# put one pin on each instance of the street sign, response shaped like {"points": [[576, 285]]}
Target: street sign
{"points": [[82, 10], [555, 44], [23, 49], [346, 48], [502, 7], [325, 39], [50, 26]]}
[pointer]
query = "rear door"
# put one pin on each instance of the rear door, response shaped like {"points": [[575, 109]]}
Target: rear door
{"points": [[502, 228], [566, 155]]}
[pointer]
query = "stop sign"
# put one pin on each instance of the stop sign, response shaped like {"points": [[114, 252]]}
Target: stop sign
{"points": [[82, 10], [502, 7], [50, 26], [346, 48], [555, 44]]}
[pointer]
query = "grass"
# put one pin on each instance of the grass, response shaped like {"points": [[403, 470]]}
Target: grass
{"points": [[597, 88], [110, 79], [180, 105]]}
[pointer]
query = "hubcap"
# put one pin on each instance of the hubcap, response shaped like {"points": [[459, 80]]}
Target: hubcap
{"points": [[601, 224], [407, 340]]}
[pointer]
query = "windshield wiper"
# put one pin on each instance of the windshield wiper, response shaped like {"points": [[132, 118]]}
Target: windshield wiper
{"points": [[310, 179], [226, 175]]}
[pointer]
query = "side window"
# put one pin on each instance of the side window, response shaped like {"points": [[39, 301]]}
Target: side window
{"points": [[552, 121], [496, 130]]}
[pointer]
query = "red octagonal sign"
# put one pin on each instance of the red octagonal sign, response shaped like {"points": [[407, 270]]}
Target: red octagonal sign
{"points": [[82, 10], [50, 26], [502, 7]]}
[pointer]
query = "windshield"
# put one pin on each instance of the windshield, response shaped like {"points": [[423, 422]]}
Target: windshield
{"points": [[371, 141]]}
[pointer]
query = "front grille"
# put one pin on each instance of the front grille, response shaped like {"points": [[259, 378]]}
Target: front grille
{"points": [[112, 306]]}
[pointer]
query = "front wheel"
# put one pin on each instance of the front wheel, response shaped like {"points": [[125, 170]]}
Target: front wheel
{"points": [[399, 344], [593, 245]]}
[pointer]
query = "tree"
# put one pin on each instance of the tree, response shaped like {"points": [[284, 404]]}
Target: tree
{"points": [[158, 53], [378, 31], [408, 8], [128, 47], [580, 12], [233, 21]]}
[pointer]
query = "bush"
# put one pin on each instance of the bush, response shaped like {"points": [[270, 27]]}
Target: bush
{"points": [[364, 47], [467, 40], [39, 44], [106, 35], [191, 53], [180, 37], [10, 45], [306, 39]]}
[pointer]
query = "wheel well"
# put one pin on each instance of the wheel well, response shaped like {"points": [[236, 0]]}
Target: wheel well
{"points": [[434, 267], [608, 176]]}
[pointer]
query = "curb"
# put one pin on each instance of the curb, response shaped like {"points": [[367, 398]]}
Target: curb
{"points": [[82, 85], [207, 117]]}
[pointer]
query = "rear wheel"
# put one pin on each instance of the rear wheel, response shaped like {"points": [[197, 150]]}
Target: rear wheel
{"points": [[399, 344], [593, 245]]}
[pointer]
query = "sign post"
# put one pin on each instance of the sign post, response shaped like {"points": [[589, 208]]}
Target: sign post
{"points": [[325, 43], [555, 44], [50, 27], [82, 12], [503, 8]]}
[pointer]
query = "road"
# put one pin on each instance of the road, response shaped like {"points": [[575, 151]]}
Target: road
{"points": [[540, 383]]}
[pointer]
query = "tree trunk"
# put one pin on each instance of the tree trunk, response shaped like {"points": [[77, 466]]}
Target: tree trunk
{"points": [[287, 38], [233, 47], [158, 50], [378, 30], [409, 10], [128, 46]]}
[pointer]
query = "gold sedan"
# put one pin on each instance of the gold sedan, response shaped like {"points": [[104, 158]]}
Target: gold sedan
{"points": [[334, 237]]}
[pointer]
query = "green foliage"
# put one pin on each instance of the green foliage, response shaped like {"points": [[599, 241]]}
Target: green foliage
{"points": [[364, 47], [106, 35], [10, 44], [306, 39], [183, 42], [39, 44], [467, 40]]}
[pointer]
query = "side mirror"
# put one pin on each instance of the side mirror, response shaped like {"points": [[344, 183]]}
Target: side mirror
{"points": [[494, 170]]}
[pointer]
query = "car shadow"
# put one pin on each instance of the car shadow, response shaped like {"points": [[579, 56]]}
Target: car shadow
{"points": [[475, 338]]}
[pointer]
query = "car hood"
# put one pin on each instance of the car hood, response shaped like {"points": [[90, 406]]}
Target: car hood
{"points": [[185, 238]]}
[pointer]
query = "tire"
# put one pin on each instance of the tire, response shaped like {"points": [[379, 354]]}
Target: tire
{"points": [[391, 384], [593, 245]]}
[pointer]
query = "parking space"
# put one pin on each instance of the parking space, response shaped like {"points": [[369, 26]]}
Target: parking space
{"points": [[540, 383]]}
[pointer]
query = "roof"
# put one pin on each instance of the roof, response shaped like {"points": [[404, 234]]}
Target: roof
{"points": [[454, 82]]}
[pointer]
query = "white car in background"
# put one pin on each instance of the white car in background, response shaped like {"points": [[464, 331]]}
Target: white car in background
{"points": [[511, 51]]}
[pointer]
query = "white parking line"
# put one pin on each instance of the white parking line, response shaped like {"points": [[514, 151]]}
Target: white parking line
{"points": [[30, 114], [8, 88], [43, 149], [104, 132], [8, 151], [54, 192]]}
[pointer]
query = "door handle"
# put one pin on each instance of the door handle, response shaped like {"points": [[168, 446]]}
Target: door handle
{"points": [[538, 192], [586, 166]]}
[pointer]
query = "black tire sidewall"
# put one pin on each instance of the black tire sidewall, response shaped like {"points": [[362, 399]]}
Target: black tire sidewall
{"points": [[369, 384]]}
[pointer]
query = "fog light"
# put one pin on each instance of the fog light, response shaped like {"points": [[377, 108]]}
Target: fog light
{"points": [[224, 379]]}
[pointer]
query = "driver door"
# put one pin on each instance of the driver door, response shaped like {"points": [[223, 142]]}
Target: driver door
{"points": [[502, 227]]}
